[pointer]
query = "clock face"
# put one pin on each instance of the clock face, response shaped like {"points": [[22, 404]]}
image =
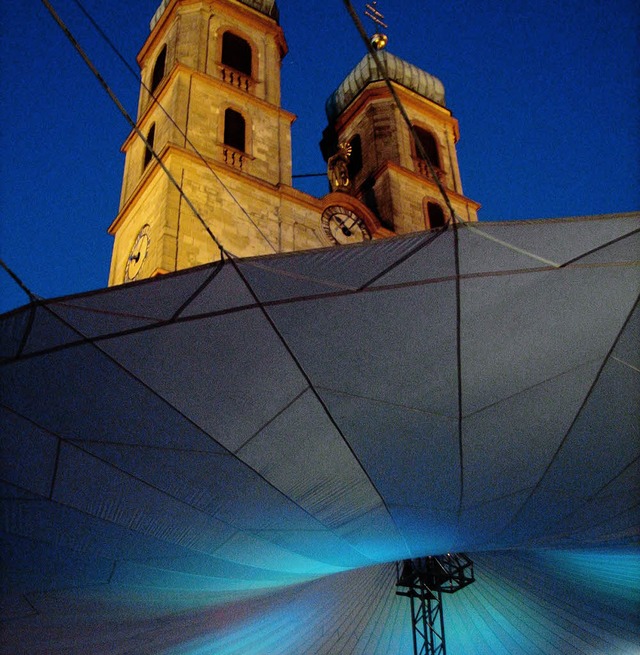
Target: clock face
{"points": [[137, 255], [343, 225]]}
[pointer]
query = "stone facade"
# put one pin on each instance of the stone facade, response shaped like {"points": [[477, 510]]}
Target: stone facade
{"points": [[394, 180], [219, 131]]}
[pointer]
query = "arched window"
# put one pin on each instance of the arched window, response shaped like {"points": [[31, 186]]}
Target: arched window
{"points": [[430, 146], [236, 52], [355, 159], [234, 129], [159, 69], [151, 135], [435, 215]]}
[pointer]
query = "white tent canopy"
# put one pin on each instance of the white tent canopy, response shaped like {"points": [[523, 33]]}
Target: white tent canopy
{"points": [[263, 422]]}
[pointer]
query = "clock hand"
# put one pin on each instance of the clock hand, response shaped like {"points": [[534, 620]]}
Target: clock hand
{"points": [[346, 229]]}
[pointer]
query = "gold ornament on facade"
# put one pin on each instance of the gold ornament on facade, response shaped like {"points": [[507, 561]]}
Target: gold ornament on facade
{"points": [[338, 168]]}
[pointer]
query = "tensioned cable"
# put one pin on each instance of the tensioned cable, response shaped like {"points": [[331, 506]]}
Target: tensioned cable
{"points": [[312, 387], [33, 302], [454, 218], [259, 303], [130, 120], [32, 296], [183, 133], [154, 323], [382, 70]]}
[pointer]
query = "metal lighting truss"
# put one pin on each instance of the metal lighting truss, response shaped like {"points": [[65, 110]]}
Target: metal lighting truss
{"points": [[423, 581]]}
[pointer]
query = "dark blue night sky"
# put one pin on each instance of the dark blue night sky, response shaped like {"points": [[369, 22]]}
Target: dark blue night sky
{"points": [[546, 94]]}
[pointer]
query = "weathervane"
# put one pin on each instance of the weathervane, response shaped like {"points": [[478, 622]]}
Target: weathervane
{"points": [[378, 40]]}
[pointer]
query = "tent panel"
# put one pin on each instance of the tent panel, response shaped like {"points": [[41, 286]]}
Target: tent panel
{"points": [[323, 546], [545, 519], [431, 260], [376, 535], [222, 290], [140, 574], [557, 241], [218, 485], [613, 516], [46, 522], [627, 348], [627, 249], [509, 445], [327, 270], [411, 456], [207, 566], [148, 298], [301, 453], [518, 331], [101, 490], [100, 401], [27, 454], [486, 526], [14, 326], [45, 330], [251, 550], [618, 527], [427, 531], [396, 346], [605, 437], [37, 567], [212, 370]]}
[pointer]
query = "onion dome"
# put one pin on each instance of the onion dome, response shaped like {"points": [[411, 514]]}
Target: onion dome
{"points": [[399, 71]]}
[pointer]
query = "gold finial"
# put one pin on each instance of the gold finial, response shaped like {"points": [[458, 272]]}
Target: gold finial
{"points": [[378, 40]]}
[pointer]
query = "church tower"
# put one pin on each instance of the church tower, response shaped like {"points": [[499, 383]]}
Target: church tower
{"points": [[389, 173], [217, 157], [210, 107]]}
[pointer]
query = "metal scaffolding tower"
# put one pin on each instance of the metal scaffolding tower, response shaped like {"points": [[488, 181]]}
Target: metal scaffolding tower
{"points": [[423, 581]]}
